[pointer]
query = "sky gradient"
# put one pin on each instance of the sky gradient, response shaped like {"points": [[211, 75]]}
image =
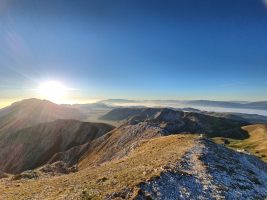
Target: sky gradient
{"points": [[136, 49]]}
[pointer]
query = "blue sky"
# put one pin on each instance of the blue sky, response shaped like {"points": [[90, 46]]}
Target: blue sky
{"points": [[137, 49]]}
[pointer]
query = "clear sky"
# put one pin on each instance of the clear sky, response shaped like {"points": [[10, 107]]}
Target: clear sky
{"points": [[136, 49]]}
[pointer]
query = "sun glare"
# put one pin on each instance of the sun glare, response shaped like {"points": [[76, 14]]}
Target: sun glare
{"points": [[53, 90]]}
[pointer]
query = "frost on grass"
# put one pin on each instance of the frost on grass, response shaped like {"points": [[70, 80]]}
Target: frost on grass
{"points": [[210, 171]]}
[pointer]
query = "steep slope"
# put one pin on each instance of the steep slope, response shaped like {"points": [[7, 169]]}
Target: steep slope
{"points": [[31, 147], [256, 143], [152, 122], [118, 143], [170, 167], [31, 112]]}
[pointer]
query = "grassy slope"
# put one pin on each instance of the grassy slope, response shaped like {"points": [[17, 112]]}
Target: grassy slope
{"points": [[255, 144], [147, 161]]}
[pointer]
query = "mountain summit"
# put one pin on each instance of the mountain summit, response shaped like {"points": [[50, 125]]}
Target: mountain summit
{"points": [[31, 112]]}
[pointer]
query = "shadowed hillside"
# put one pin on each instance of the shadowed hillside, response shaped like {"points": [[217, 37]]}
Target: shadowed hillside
{"points": [[120, 115], [32, 147], [176, 121]]}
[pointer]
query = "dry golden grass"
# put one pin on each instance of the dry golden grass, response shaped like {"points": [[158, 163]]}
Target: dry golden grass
{"points": [[256, 144], [147, 161]]}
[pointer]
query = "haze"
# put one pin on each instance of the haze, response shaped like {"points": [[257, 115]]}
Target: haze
{"points": [[189, 49]]}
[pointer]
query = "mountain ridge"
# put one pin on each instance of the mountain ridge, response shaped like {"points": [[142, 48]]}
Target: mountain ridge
{"points": [[30, 112], [262, 105], [155, 122], [152, 171]]}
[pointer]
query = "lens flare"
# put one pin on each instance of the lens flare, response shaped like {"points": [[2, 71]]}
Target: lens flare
{"points": [[53, 90]]}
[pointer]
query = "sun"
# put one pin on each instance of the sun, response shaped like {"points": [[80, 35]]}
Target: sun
{"points": [[53, 90]]}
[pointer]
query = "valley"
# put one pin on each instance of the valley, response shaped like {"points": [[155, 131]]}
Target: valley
{"points": [[151, 153]]}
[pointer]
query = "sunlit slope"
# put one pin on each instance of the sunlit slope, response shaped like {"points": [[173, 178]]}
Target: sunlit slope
{"points": [[255, 144]]}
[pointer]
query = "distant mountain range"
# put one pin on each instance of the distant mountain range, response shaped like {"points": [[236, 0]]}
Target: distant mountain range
{"points": [[261, 105], [124, 113]]}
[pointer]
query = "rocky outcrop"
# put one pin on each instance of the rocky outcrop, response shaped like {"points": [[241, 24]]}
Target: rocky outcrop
{"points": [[209, 171], [54, 169], [118, 143], [72, 155]]}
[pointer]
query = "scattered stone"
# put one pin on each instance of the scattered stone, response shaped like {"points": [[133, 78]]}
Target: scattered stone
{"points": [[29, 174], [103, 179], [58, 167]]}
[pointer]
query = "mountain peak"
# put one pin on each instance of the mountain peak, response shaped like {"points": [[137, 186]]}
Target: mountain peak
{"points": [[29, 112], [31, 101]]}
